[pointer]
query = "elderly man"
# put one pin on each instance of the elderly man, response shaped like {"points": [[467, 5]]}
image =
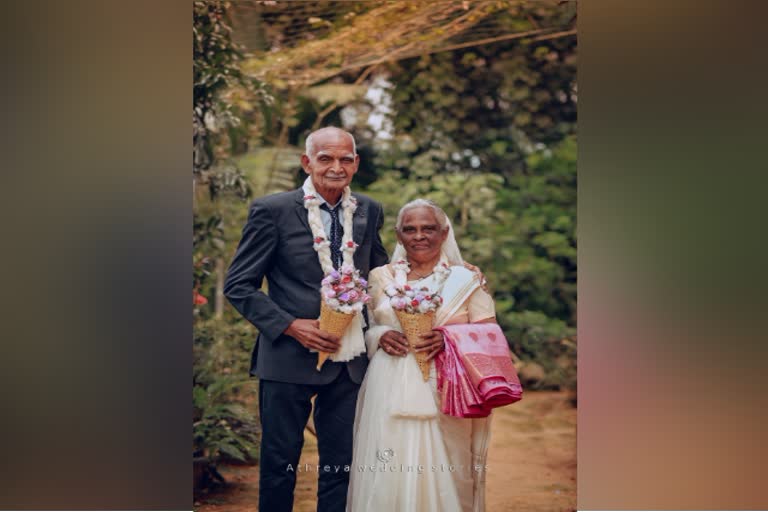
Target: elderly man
{"points": [[278, 243]]}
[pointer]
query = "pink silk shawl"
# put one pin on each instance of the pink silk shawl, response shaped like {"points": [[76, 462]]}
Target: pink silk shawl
{"points": [[475, 372]]}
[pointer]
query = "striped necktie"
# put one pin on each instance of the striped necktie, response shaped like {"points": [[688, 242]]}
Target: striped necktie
{"points": [[335, 237]]}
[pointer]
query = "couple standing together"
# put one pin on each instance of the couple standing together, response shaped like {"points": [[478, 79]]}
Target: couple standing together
{"points": [[383, 443]]}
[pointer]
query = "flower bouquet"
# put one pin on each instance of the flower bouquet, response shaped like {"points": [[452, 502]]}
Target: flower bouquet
{"points": [[344, 293], [415, 309]]}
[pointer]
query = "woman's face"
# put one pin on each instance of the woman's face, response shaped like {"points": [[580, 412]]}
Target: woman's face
{"points": [[421, 234]]}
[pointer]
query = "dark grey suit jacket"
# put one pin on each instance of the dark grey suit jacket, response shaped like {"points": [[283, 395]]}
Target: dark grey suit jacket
{"points": [[277, 244]]}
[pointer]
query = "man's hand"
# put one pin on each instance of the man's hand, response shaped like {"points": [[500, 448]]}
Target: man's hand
{"points": [[433, 344], [308, 333], [480, 276], [394, 343]]}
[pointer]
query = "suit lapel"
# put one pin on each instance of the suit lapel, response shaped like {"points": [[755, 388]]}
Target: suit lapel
{"points": [[359, 223], [301, 212]]}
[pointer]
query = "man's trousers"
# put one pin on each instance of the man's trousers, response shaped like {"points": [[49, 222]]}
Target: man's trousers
{"points": [[284, 410]]}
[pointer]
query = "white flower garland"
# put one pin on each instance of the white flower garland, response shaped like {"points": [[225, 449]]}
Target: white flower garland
{"points": [[352, 342], [322, 245], [441, 271]]}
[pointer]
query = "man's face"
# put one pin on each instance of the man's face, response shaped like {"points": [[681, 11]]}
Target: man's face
{"points": [[332, 164]]}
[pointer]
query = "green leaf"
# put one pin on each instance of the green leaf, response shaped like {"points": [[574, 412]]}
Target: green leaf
{"points": [[232, 451]]}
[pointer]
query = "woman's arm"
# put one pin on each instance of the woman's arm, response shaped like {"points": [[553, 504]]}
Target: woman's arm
{"points": [[481, 307]]}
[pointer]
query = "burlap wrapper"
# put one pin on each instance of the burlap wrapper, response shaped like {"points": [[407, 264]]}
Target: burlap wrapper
{"points": [[413, 325], [334, 322]]}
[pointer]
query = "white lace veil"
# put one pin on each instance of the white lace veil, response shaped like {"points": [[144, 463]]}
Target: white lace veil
{"points": [[450, 248]]}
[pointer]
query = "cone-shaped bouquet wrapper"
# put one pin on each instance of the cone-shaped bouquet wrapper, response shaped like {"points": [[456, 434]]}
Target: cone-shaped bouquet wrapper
{"points": [[415, 324], [334, 322]]}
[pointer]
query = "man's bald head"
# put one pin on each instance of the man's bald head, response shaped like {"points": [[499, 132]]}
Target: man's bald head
{"points": [[327, 133]]}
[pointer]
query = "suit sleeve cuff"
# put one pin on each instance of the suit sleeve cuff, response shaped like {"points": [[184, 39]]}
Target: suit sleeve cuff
{"points": [[278, 326]]}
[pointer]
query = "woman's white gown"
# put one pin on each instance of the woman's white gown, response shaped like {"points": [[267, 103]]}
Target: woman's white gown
{"points": [[408, 456]]}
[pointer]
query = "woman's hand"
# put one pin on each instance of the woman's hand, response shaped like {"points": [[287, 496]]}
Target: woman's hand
{"points": [[394, 343], [433, 344]]}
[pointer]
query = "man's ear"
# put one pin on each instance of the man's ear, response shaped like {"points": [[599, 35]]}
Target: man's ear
{"points": [[357, 164], [305, 163]]}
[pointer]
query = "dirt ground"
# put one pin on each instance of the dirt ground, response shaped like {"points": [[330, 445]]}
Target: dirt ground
{"points": [[531, 463]]}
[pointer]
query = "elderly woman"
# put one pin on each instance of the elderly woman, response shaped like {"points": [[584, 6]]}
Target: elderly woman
{"points": [[407, 455]]}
